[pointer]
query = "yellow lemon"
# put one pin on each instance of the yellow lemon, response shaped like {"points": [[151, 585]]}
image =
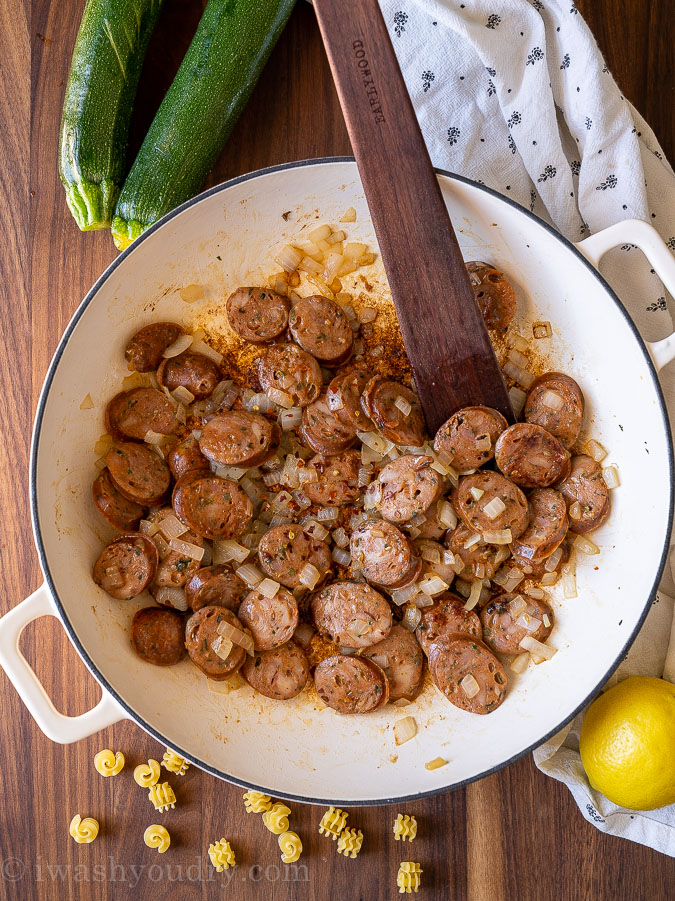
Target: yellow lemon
{"points": [[627, 743]]}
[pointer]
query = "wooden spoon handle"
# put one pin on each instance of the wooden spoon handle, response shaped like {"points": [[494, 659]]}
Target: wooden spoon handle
{"points": [[453, 361]]}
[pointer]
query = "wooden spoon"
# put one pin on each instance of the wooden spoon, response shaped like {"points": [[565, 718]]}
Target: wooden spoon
{"points": [[446, 340]]}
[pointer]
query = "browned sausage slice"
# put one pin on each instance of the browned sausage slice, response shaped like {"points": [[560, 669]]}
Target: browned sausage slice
{"points": [[158, 635], [337, 479], [320, 327], [352, 614], [470, 504], [238, 438], [401, 658], [201, 631], [503, 633], [322, 431], [344, 398], [138, 473], [537, 570], [194, 371], [284, 550], [444, 619], [176, 568], [378, 402], [126, 566], [386, 556], [469, 437], [451, 662], [289, 368], [257, 314], [145, 348], [281, 673], [132, 414], [121, 513], [495, 297], [556, 403], [212, 507], [351, 684], [186, 457], [476, 555], [586, 494], [530, 456], [547, 527], [215, 585], [272, 621], [407, 486]]}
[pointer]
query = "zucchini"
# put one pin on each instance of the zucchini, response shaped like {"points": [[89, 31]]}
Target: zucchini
{"points": [[220, 69], [107, 60]]}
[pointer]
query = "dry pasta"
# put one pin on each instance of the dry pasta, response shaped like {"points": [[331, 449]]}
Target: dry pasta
{"points": [[405, 827], [147, 774], [109, 764], [350, 842], [162, 796], [333, 822], [174, 763], [157, 836], [276, 818], [222, 855], [291, 847], [408, 878], [256, 802], [84, 830]]}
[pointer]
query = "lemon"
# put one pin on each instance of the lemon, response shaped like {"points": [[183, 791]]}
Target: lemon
{"points": [[627, 743]]}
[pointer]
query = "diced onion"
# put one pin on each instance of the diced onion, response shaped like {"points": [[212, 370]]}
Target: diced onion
{"points": [[404, 730], [281, 500], [435, 764], [569, 580], [595, 450], [528, 622], [546, 620], [503, 553], [242, 639], [585, 546], [349, 215], [516, 606], [365, 475], [576, 511], [430, 551], [359, 627], [369, 314], [163, 548], [432, 585], [289, 475], [172, 527], [375, 442], [250, 574], [542, 329], [517, 398], [340, 537], [181, 414], [320, 233], [552, 400], [193, 551], [228, 549], [281, 398], [222, 647], [87, 403], [483, 443], [469, 686], [368, 455], [148, 528], [401, 596], [304, 634], [307, 474], [515, 372], [341, 557], [422, 600], [517, 357], [268, 588], [520, 663], [472, 541], [474, 594], [290, 418], [315, 529], [552, 562], [355, 250], [182, 395], [272, 478], [309, 575], [181, 344], [170, 596], [449, 558], [402, 404], [256, 403], [536, 647], [200, 347], [446, 515], [230, 472], [476, 493], [480, 571], [155, 438], [535, 593], [289, 258], [412, 617], [501, 536], [103, 445], [327, 514], [549, 578], [611, 476], [381, 659]]}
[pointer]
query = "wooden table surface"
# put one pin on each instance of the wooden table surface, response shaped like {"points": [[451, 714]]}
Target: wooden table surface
{"points": [[516, 834]]}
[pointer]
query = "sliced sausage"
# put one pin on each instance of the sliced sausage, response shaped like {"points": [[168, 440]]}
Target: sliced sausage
{"points": [[121, 513], [344, 398], [585, 487], [201, 631], [432, 528], [378, 402], [470, 504], [337, 481], [386, 556], [450, 662], [272, 621], [217, 586], [495, 297], [289, 368], [322, 431], [186, 457], [126, 566], [530, 456], [257, 314], [408, 486], [212, 507], [132, 414], [503, 633], [401, 658], [158, 636], [547, 526], [444, 619], [194, 371], [556, 403], [280, 673], [175, 568], [469, 437], [138, 473], [476, 555], [145, 348], [284, 551], [238, 438], [352, 614], [320, 327], [351, 684]]}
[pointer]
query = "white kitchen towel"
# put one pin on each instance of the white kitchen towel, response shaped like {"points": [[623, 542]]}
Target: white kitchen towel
{"points": [[516, 95]]}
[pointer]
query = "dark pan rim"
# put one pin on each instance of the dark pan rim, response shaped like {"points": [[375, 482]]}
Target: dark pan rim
{"points": [[361, 802]]}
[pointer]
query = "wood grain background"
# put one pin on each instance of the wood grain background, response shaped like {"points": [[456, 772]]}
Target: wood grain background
{"points": [[514, 835]]}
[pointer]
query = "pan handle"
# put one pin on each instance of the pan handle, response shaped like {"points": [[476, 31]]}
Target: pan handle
{"points": [[55, 725], [635, 231]]}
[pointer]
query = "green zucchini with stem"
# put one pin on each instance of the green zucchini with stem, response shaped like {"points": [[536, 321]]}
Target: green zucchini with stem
{"points": [[104, 73], [220, 69]]}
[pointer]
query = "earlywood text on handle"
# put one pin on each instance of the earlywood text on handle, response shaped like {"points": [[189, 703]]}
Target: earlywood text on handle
{"points": [[368, 82]]}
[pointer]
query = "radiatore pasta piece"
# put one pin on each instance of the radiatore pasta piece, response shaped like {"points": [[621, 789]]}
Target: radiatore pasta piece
{"points": [[349, 842], [405, 827], [256, 802], [408, 878], [333, 822], [222, 855], [174, 763], [162, 796]]}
